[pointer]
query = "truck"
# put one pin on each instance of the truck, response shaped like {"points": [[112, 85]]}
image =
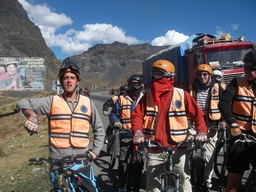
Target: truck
{"points": [[224, 53]]}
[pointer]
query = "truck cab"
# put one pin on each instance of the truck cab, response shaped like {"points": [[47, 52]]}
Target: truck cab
{"points": [[222, 54]]}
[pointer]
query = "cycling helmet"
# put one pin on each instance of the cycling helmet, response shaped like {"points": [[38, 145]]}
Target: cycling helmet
{"points": [[204, 67], [217, 73], [68, 66], [135, 81], [162, 68], [250, 57], [123, 89], [165, 65]]}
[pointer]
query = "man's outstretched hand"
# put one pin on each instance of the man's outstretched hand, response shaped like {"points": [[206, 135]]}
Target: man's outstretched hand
{"points": [[31, 125]]}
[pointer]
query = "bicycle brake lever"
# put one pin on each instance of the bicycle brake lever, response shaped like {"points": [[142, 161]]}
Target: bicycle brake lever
{"points": [[150, 143]]}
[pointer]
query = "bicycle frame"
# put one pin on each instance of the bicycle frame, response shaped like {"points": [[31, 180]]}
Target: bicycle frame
{"points": [[66, 173], [250, 184], [168, 164]]}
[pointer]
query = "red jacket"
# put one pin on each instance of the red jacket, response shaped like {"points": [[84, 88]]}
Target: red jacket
{"points": [[193, 111]]}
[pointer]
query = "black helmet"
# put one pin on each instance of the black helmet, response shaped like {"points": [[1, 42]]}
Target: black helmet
{"points": [[123, 89], [135, 81], [250, 57], [68, 66], [136, 77]]}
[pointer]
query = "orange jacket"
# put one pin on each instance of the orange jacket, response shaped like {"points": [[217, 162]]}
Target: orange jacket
{"points": [[70, 128], [178, 122], [244, 106]]}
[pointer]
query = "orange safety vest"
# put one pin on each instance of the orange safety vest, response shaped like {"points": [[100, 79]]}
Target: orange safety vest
{"points": [[178, 122], [70, 128], [126, 112], [213, 112], [244, 106]]}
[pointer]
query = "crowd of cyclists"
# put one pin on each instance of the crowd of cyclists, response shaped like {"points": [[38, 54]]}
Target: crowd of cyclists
{"points": [[161, 112]]}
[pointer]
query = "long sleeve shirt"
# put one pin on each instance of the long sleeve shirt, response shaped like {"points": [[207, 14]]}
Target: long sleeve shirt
{"points": [[162, 133], [42, 106]]}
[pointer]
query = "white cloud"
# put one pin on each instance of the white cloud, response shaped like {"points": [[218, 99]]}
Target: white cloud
{"points": [[72, 42], [105, 33], [171, 37], [43, 16], [219, 31], [235, 27]]}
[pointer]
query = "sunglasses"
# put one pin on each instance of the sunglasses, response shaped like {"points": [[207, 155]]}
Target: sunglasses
{"points": [[204, 74], [249, 68]]}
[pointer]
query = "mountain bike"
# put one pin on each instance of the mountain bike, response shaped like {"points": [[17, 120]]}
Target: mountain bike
{"points": [[170, 181], [134, 160], [113, 147], [197, 165], [250, 183], [71, 173], [221, 156]]}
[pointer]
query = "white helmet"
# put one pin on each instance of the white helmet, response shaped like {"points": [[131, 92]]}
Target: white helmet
{"points": [[217, 73]]}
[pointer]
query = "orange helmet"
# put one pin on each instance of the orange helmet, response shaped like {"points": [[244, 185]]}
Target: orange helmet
{"points": [[204, 67], [165, 65]]}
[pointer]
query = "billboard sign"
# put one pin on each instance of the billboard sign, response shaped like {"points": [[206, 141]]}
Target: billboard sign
{"points": [[22, 74]]}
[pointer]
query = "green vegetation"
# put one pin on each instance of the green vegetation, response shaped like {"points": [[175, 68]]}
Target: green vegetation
{"points": [[17, 146]]}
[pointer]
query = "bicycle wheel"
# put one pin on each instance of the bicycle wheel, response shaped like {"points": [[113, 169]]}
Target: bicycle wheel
{"points": [[168, 183], [169, 189], [114, 150], [112, 161], [250, 184], [220, 162]]}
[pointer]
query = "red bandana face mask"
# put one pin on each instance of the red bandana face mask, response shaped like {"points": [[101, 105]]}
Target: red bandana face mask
{"points": [[160, 86]]}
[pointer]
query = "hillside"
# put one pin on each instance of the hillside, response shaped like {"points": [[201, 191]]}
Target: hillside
{"points": [[110, 65]]}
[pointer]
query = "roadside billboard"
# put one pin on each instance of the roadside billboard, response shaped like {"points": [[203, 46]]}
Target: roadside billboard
{"points": [[22, 74]]}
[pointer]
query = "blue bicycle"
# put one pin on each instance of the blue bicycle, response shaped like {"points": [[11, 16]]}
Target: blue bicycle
{"points": [[70, 174]]}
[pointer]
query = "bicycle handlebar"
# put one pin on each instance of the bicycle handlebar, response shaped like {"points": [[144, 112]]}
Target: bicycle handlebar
{"points": [[153, 143], [62, 161], [245, 138]]}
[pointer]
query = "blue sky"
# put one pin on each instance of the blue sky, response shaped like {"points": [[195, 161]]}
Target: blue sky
{"points": [[70, 27]]}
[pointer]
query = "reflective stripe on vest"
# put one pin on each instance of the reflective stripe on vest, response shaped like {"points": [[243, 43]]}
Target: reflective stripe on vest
{"points": [[70, 128], [214, 112], [178, 122], [244, 106], [126, 111]]}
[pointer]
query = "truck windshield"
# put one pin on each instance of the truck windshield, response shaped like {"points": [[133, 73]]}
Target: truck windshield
{"points": [[227, 59]]}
